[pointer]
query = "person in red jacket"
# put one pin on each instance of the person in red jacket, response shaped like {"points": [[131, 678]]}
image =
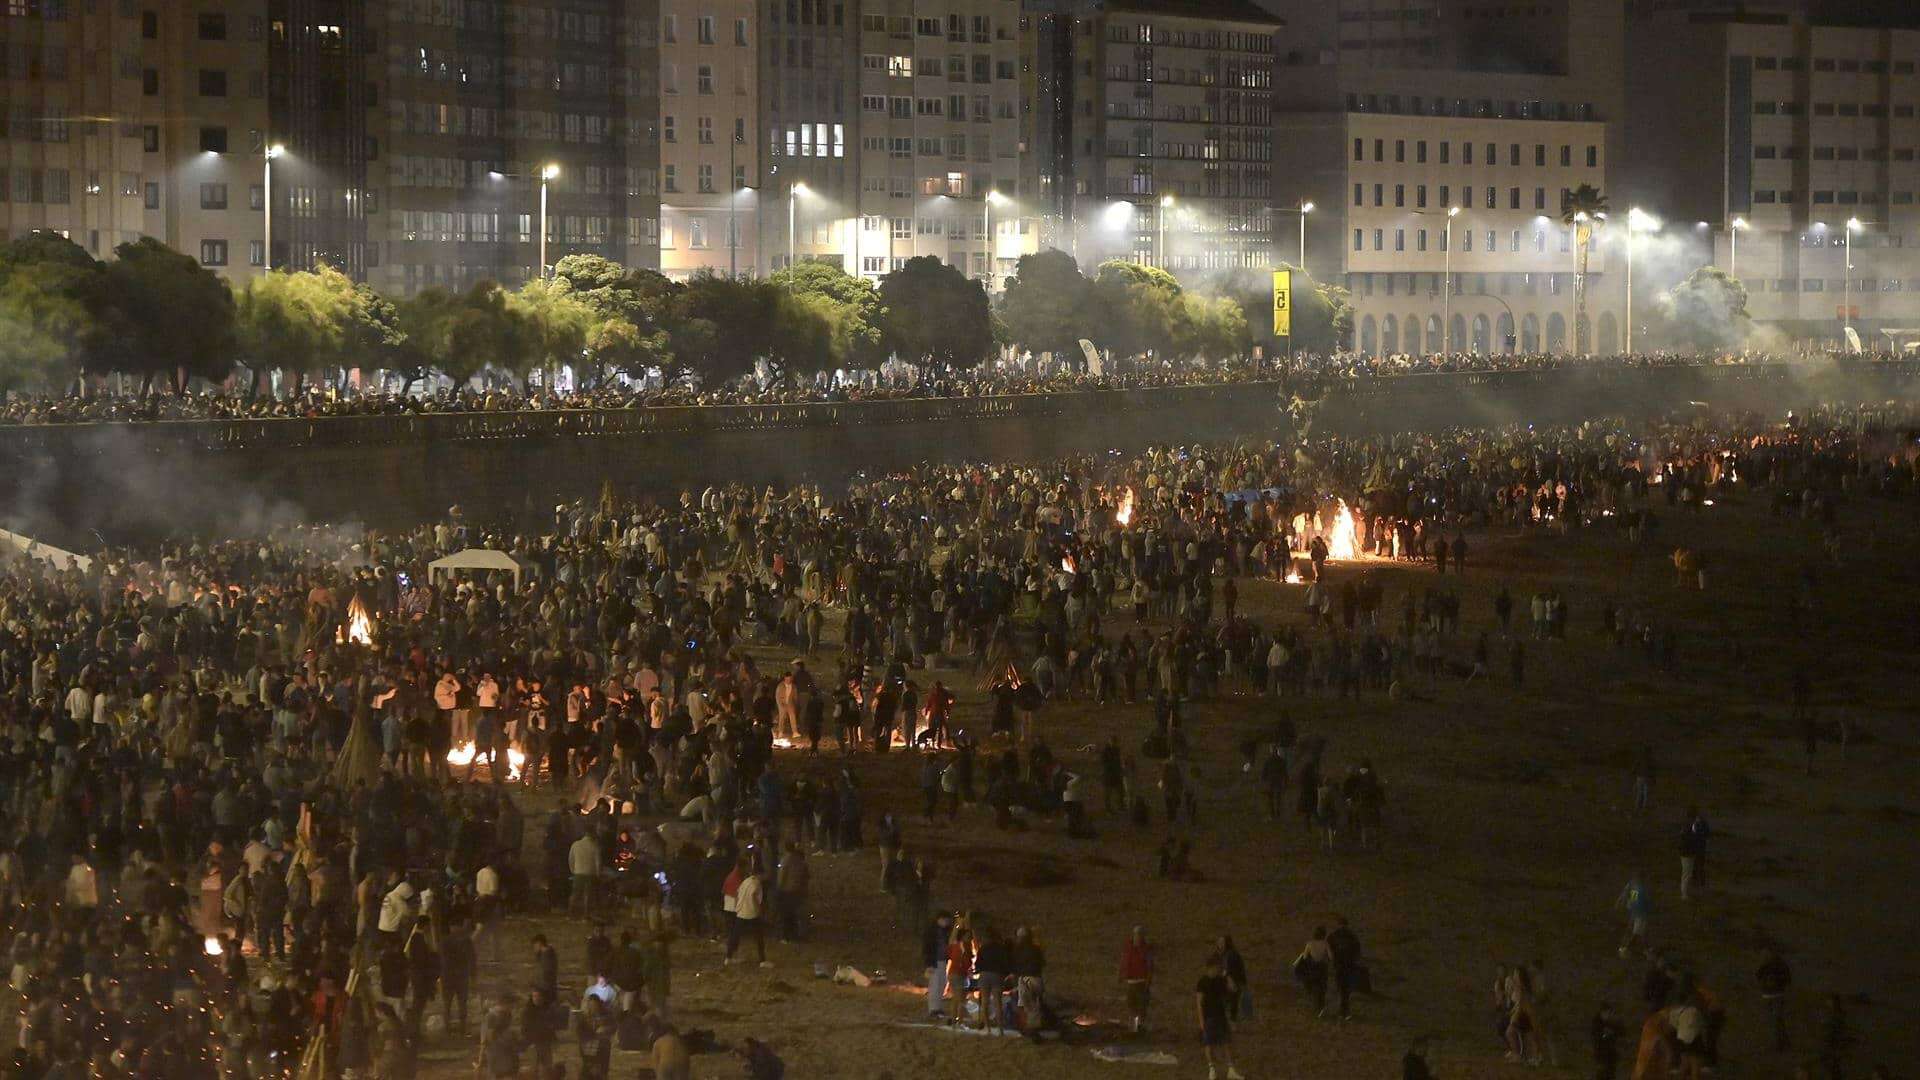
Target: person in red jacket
{"points": [[1136, 974]]}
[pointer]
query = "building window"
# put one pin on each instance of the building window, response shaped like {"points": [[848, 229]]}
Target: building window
{"points": [[213, 196], [1399, 239], [256, 253], [705, 28], [150, 138], [213, 82], [739, 31], [1593, 157], [1420, 152], [704, 126], [1399, 194], [152, 200], [149, 25], [705, 79], [213, 140], [1359, 150], [213, 26], [671, 178], [705, 175], [667, 129], [150, 82], [1359, 236], [213, 253]]}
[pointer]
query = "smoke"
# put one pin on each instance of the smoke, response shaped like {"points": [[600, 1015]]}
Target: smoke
{"points": [[86, 485]]}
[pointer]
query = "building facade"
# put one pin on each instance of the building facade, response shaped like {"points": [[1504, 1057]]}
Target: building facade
{"points": [[711, 152], [1434, 142], [481, 111], [1148, 124], [1796, 129], [119, 121]]}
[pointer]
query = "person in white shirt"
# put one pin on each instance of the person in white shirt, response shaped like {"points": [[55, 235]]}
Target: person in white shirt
{"points": [[79, 705], [583, 862], [83, 884], [749, 900], [398, 907]]}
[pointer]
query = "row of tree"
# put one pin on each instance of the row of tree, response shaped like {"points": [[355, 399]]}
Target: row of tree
{"points": [[159, 316]]}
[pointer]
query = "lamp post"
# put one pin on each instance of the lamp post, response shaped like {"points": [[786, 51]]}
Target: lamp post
{"points": [[547, 172], [1160, 220], [1846, 289], [266, 206], [1733, 246], [1446, 287], [1306, 208], [794, 191], [989, 201], [733, 209], [1636, 220]]}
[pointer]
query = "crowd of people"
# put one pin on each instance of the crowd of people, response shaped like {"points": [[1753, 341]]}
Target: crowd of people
{"points": [[263, 796], [386, 396]]}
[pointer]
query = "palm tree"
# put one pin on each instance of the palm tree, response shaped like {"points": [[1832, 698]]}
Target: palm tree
{"points": [[1580, 209]]}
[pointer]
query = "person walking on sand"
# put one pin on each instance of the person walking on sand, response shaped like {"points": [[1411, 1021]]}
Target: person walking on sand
{"points": [[1136, 974], [1213, 1001], [1634, 899]]}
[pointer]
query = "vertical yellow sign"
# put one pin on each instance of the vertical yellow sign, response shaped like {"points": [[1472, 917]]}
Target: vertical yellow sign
{"points": [[1283, 303]]}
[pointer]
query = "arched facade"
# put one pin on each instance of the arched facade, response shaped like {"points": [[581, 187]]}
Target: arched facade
{"points": [[1609, 344], [1412, 339], [1389, 335], [1367, 331], [1482, 335], [1530, 333], [1556, 333], [1434, 344], [1457, 334], [1503, 334]]}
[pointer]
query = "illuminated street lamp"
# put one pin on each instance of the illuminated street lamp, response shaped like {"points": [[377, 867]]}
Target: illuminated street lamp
{"points": [[1637, 221], [547, 172], [1733, 246], [794, 191], [266, 204], [987, 203], [1846, 288], [1166, 208]]}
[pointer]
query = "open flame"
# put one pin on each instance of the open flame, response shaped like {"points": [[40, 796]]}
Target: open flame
{"points": [[1123, 515], [1340, 529], [1069, 565], [211, 946], [359, 626], [463, 755]]}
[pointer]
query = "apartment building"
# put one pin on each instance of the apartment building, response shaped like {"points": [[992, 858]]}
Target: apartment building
{"points": [[1433, 141], [1794, 129], [711, 152], [119, 121], [479, 112], [1149, 134], [939, 137]]}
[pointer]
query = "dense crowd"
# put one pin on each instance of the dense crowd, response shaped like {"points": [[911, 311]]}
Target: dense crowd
{"points": [[1303, 372], [244, 820]]}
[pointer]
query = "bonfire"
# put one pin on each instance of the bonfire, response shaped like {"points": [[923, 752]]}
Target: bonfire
{"points": [[1340, 529], [1123, 514], [358, 628], [462, 756]]}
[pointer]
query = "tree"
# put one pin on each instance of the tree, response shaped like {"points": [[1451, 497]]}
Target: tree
{"points": [[1049, 305], [936, 314], [1213, 328], [720, 325], [1322, 313], [1707, 311], [1581, 210], [849, 306], [310, 322], [1141, 309], [557, 323], [626, 331], [172, 317], [50, 311]]}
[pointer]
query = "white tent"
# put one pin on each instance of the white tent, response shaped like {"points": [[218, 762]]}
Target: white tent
{"points": [[480, 559], [13, 545]]}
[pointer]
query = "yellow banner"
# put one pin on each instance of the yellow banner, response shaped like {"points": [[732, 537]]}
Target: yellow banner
{"points": [[1283, 303]]}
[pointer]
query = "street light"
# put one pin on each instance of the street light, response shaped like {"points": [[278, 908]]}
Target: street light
{"points": [[988, 202], [547, 172], [794, 191], [1733, 246], [1636, 221], [1846, 289], [1160, 220], [266, 205], [733, 209]]}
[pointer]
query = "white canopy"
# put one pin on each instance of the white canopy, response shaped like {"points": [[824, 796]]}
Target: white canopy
{"points": [[480, 559], [13, 546]]}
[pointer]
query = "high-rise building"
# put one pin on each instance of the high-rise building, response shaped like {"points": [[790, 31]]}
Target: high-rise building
{"points": [[1434, 141], [710, 149], [481, 113], [1792, 130], [1148, 130], [938, 137], [119, 121], [412, 136]]}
